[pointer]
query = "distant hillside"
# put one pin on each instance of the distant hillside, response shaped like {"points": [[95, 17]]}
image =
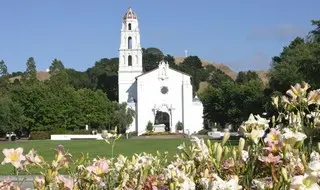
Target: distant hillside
{"points": [[41, 75], [262, 74]]}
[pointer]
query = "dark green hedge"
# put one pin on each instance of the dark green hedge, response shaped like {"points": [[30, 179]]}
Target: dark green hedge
{"points": [[39, 135]]}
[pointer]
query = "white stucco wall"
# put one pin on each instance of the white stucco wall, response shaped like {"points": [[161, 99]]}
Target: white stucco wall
{"points": [[197, 117], [126, 72], [133, 125], [127, 86], [145, 89], [73, 136], [179, 98]]}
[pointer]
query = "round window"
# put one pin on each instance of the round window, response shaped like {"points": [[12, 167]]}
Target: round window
{"points": [[164, 90]]}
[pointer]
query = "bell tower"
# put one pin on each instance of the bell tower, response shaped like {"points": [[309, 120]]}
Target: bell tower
{"points": [[130, 56]]}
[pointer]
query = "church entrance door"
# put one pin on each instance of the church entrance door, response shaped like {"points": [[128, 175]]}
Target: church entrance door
{"points": [[163, 118]]}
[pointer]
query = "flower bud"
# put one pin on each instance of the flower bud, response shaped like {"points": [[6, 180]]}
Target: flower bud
{"points": [[226, 137], [241, 144], [171, 186], [194, 172], [209, 143], [304, 160], [275, 101], [219, 153], [273, 119], [286, 149], [284, 174], [234, 153], [214, 148], [225, 152], [188, 167], [193, 154], [49, 176], [298, 144], [206, 173]]}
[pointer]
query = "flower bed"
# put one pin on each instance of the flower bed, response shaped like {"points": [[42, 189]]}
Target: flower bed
{"points": [[274, 154]]}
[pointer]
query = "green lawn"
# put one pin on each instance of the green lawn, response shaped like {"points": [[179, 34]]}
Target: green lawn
{"points": [[127, 147]]}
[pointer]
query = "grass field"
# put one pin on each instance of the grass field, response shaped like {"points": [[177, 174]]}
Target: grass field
{"points": [[126, 147], [94, 148]]}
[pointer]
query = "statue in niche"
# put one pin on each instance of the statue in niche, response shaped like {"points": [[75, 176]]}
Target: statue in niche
{"points": [[163, 70]]}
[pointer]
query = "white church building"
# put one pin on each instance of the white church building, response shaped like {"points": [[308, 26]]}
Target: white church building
{"points": [[163, 96]]}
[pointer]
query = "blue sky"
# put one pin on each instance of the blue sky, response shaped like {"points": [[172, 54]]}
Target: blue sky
{"points": [[241, 34]]}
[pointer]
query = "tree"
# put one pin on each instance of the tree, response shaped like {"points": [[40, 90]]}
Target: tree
{"points": [[123, 116], [16, 74], [31, 72], [34, 99], [56, 66], [299, 61], [3, 69], [314, 34], [244, 77], [79, 79], [11, 115], [153, 51], [171, 61], [93, 106], [4, 78], [59, 79], [232, 102], [58, 75], [151, 58], [104, 76], [192, 62], [215, 76]]}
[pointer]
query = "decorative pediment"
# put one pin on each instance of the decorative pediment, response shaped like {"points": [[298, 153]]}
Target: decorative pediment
{"points": [[162, 107]]}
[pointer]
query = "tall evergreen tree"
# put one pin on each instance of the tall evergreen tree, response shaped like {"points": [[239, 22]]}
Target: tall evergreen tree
{"points": [[56, 66], [3, 69], [59, 75], [31, 71], [4, 78]]}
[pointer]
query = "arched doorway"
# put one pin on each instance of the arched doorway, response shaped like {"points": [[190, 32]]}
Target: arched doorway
{"points": [[162, 118]]}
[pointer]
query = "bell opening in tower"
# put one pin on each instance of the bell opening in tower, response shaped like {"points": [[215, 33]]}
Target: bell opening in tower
{"points": [[129, 60], [130, 42], [129, 26]]}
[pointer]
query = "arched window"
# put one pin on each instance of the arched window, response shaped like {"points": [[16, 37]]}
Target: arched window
{"points": [[129, 26], [130, 43], [129, 60]]}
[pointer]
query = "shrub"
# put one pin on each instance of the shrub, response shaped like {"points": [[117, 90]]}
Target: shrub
{"points": [[150, 133], [58, 131], [39, 135], [179, 126], [203, 132], [80, 132], [149, 126], [132, 134]]}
